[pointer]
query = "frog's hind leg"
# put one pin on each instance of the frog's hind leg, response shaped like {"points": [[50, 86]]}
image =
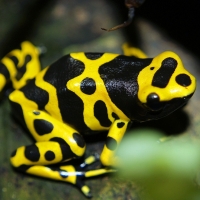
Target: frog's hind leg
{"points": [[20, 65], [133, 51], [39, 158], [56, 142]]}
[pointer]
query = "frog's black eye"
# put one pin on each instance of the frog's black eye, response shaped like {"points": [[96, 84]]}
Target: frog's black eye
{"points": [[153, 102]]}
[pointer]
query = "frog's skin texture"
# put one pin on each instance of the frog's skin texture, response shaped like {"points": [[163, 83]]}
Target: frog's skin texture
{"points": [[86, 92]]}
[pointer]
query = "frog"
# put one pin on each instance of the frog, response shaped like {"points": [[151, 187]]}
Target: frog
{"points": [[82, 94]]}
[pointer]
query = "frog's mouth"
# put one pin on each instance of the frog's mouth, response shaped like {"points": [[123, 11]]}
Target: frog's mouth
{"points": [[159, 109]]}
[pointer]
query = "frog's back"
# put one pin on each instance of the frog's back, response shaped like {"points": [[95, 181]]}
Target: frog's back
{"points": [[81, 88]]}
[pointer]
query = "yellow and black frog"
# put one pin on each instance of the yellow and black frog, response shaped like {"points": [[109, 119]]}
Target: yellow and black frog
{"points": [[82, 93]]}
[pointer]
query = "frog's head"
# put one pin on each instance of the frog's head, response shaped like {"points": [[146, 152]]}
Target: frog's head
{"points": [[164, 85]]}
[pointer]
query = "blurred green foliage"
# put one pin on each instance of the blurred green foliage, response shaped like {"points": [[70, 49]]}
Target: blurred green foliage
{"points": [[165, 170]]}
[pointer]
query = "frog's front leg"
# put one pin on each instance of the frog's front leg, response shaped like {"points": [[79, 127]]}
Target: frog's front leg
{"points": [[114, 137], [133, 51]]}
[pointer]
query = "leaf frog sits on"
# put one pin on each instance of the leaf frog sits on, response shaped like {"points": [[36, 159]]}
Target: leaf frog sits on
{"points": [[86, 92]]}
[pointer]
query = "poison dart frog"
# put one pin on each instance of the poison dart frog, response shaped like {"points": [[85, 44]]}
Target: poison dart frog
{"points": [[83, 93]]}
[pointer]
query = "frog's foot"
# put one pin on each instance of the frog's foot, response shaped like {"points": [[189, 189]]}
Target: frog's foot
{"points": [[76, 175], [80, 183], [94, 172], [89, 160], [44, 168], [81, 174]]}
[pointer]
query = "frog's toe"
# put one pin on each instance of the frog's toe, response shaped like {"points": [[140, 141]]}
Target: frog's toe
{"points": [[84, 188], [89, 160], [86, 191]]}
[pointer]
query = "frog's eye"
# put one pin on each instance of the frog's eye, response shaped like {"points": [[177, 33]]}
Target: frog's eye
{"points": [[153, 102]]}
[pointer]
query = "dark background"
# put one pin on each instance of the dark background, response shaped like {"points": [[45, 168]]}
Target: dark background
{"points": [[178, 18]]}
